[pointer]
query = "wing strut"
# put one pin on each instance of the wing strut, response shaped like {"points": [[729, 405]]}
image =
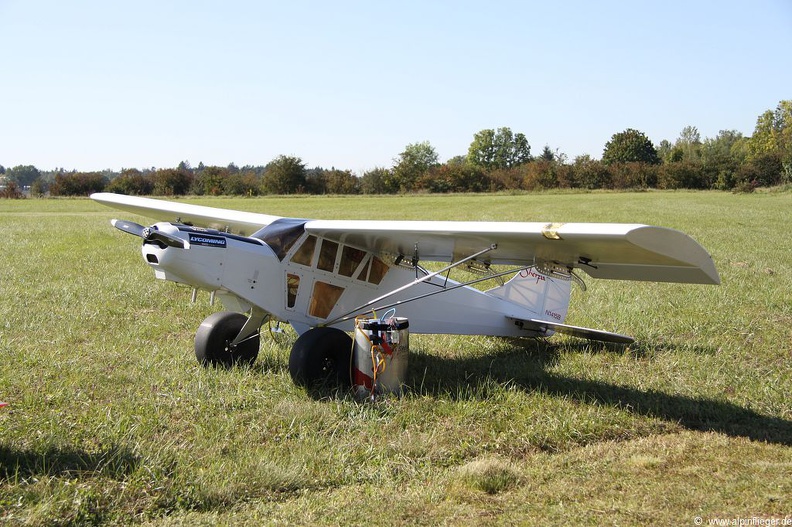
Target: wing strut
{"points": [[347, 315]]}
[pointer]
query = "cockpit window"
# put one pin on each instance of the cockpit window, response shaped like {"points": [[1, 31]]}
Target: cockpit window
{"points": [[292, 288], [324, 298], [378, 270], [350, 260], [327, 256], [281, 234], [304, 254], [363, 275]]}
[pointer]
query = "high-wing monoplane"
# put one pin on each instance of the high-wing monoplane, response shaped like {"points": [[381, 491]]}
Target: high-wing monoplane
{"points": [[319, 275]]}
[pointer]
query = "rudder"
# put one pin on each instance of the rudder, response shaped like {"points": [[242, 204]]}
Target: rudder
{"points": [[547, 297]]}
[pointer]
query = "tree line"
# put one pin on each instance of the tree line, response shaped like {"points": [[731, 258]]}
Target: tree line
{"points": [[497, 159]]}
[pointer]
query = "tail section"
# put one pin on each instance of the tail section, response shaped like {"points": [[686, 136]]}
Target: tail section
{"points": [[545, 296], [545, 293]]}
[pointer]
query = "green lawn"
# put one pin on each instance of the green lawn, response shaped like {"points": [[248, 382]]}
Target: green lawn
{"points": [[112, 421]]}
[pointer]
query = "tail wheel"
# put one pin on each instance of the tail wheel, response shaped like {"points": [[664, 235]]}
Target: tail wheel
{"points": [[214, 337], [321, 355]]}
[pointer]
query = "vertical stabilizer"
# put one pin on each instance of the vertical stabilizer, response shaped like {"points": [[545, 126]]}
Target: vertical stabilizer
{"points": [[545, 296]]}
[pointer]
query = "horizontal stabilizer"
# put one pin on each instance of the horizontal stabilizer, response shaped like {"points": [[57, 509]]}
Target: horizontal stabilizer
{"points": [[543, 326]]}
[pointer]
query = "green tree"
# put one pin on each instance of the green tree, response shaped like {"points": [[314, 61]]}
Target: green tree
{"points": [[340, 182], [131, 182], [378, 180], [241, 183], [10, 190], [172, 181], [628, 146], [721, 158], [590, 173], [507, 178], [633, 175], [413, 163], [689, 144], [284, 175], [665, 150], [681, 174], [773, 134], [455, 177], [78, 183], [499, 149], [482, 150], [23, 175], [541, 174], [682, 166], [39, 188], [764, 170], [209, 181], [315, 181]]}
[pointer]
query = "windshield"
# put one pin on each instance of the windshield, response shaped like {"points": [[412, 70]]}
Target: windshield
{"points": [[281, 234]]}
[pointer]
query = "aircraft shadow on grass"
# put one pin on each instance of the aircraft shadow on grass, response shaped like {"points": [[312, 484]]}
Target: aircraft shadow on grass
{"points": [[525, 365]]}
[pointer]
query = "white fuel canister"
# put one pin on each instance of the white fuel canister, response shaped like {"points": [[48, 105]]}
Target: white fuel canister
{"points": [[380, 355]]}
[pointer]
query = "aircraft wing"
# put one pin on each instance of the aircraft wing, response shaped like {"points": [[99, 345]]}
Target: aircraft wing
{"points": [[603, 250], [237, 222]]}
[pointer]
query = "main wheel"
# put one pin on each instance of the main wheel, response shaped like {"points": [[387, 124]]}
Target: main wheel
{"points": [[213, 341], [321, 355]]}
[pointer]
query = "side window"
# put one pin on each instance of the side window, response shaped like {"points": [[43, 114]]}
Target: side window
{"points": [[304, 254], [327, 256], [378, 270], [292, 287], [323, 299], [350, 260], [365, 271]]}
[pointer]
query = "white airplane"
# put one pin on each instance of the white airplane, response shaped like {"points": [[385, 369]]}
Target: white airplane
{"points": [[319, 275]]}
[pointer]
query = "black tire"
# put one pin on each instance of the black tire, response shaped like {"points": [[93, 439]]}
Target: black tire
{"points": [[213, 341], [321, 355]]}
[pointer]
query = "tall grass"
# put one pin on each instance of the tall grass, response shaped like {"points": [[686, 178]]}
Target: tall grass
{"points": [[111, 420]]}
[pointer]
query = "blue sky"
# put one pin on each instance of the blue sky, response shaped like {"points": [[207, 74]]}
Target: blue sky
{"points": [[90, 85]]}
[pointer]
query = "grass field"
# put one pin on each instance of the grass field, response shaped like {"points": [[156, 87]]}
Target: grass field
{"points": [[111, 420]]}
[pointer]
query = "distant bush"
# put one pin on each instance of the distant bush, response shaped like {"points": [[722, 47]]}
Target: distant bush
{"points": [[78, 184], [10, 190], [682, 174], [590, 173], [172, 181], [131, 182], [633, 175], [458, 177]]}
